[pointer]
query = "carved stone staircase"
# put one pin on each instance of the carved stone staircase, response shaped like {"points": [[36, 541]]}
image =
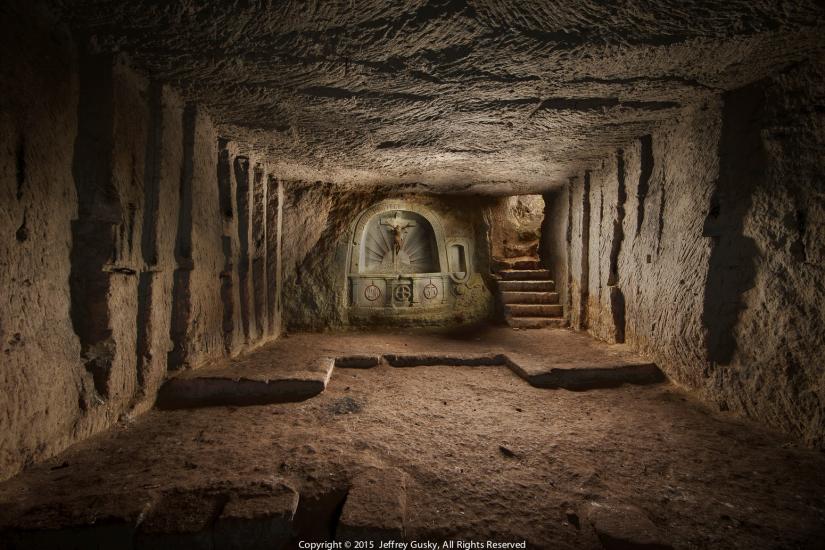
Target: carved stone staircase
{"points": [[528, 294]]}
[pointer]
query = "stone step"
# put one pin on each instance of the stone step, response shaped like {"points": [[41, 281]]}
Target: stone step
{"points": [[230, 514], [526, 286], [510, 297], [534, 310], [525, 263], [524, 274], [581, 375], [522, 262], [536, 322], [241, 386], [375, 508]]}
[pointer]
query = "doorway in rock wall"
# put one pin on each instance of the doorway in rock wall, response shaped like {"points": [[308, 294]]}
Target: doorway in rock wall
{"points": [[527, 294], [517, 230]]}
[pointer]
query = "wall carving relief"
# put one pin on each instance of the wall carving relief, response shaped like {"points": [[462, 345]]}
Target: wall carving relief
{"points": [[398, 242], [401, 263]]}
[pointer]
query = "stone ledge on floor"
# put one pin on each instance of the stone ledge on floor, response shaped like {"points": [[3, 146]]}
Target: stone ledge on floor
{"points": [[302, 380]]}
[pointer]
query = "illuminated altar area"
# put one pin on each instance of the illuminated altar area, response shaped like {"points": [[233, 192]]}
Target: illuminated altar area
{"points": [[403, 264]]}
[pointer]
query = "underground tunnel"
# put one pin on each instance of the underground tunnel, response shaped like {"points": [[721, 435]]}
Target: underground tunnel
{"points": [[438, 274]]}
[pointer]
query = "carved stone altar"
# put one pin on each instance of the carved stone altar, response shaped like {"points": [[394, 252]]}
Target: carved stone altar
{"points": [[401, 263]]}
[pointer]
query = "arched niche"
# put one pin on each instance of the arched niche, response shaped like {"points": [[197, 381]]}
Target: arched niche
{"points": [[459, 255], [398, 241], [398, 261], [374, 239]]}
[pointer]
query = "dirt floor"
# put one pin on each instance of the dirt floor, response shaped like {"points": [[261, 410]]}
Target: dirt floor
{"points": [[486, 456]]}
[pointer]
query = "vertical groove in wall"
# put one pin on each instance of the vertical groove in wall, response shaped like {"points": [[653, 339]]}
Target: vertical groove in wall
{"points": [[734, 255], [259, 250], [272, 237], [228, 318], [544, 248], [617, 302], [242, 190], [279, 266], [585, 254], [22, 233], [20, 166], [660, 226], [181, 293], [569, 243], [99, 212], [617, 237], [597, 249], [151, 197], [183, 242], [224, 177], [646, 171], [148, 239]]}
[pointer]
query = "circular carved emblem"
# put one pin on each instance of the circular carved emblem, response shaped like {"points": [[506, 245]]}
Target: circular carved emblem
{"points": [[372, 292], [402, 293], [430, 291]]}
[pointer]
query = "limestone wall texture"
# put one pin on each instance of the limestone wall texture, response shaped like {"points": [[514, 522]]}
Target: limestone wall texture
{"points": [[701, 245], [42, 375], [232, 325], [251, 209], [515, 226], [119, 256], [316, 232], [555, 241], [159, 221], [197, 310]]}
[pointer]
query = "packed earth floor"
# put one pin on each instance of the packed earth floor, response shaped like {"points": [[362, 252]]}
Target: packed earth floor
{"points": [[469, 452]]}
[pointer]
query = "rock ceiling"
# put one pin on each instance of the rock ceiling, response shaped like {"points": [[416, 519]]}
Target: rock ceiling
{"points": [[450, 95]]}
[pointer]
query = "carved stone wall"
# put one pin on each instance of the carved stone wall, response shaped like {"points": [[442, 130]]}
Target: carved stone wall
{"points": [[701, 245], [412, 234], [398, 261], [121, 253], [339, 268]]}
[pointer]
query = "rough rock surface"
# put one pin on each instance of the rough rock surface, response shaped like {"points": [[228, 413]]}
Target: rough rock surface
{"points": [[624, 527], [118, 258], [705, 479], [257, 518], [42, 376], [556, 232], [701, 245], [376, 506], [161, 162], [483, 96], [515, 224]]}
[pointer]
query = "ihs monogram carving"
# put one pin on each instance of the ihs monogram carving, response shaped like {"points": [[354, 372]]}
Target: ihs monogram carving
{"points": [[430, 291], [372, 292]]}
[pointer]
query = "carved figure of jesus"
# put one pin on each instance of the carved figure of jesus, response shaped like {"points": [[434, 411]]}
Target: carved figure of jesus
{"points": [[398, 230]]}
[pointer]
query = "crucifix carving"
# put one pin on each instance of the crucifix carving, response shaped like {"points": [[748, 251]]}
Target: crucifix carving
{"points": [[398, 228]]}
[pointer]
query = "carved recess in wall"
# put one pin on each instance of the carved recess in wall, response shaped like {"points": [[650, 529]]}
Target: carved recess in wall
{"points": [[399, 242], [401, 262]]}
